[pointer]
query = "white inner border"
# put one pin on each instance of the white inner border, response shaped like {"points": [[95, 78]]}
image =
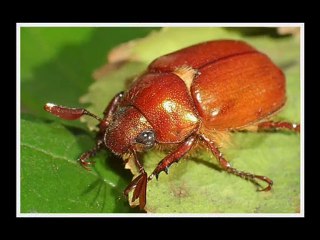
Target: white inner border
{"points": [[301, 25]]}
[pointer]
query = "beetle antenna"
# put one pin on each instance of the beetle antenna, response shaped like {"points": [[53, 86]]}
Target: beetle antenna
{"points": [[68, 113]]}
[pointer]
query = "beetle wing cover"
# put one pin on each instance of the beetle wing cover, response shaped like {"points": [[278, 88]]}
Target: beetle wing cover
{"points": [[197, 56], [238, 91]]}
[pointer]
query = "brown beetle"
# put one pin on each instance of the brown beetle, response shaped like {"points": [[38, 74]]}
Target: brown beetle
{"points": [[191, 95]]}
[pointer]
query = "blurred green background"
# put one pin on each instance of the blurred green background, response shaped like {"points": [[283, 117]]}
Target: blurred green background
{"points": [[57, 66], [57, 63]]}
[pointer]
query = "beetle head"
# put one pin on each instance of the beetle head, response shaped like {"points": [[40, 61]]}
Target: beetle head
{"points": [[129, 129]]}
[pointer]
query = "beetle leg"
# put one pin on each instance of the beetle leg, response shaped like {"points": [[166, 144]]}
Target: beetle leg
{"points": [[139, 184], [174, 156], [271, 125], [227, 166], [84, 158], [68, 113]]}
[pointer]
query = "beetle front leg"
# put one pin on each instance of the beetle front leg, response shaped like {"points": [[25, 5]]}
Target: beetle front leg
{"points": [[175, 156], [84, 158], [139, 184], [272, 125], [227, 166]]}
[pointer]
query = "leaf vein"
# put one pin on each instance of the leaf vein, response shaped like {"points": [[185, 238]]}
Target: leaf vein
{"points": [[111, 184]]}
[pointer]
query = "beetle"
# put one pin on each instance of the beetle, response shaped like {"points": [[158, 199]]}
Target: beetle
{"points": [[190, 96]]}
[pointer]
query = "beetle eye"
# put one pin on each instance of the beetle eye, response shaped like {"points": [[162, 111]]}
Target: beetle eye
{"points": [[147, 138]]}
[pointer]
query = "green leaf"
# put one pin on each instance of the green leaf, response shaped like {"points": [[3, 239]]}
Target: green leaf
{"points": [[196, 185], [40, 45], [52, 181]]}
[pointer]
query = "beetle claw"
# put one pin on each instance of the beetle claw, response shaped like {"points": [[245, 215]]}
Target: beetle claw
{"points": [[166, 169], [86, 164], [139, 185], [267, 188], [85, 160]]}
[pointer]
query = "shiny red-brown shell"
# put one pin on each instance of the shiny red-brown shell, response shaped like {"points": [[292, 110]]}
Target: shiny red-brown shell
{"points": [[235, 86]]}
